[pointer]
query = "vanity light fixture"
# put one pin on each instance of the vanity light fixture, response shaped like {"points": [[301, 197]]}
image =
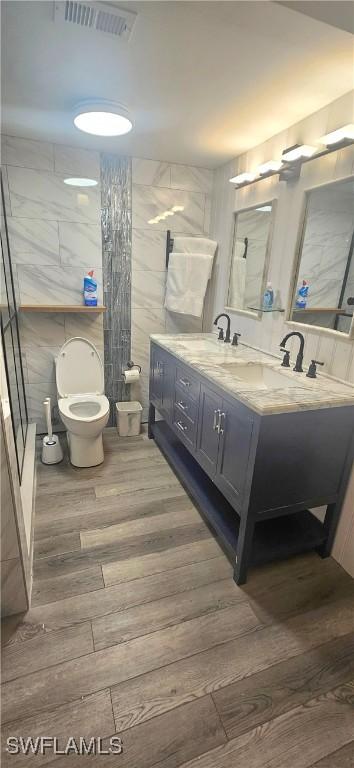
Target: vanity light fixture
{"points": [[102, 118], [289, 167], [243, 178], [344, 134], [269, 167], [297, 152], [167, 213], [80, 182], [177, 208]]}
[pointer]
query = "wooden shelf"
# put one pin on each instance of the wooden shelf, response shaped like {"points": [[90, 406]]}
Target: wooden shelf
{"points": [[62, 308], [319, 310], [268, 309]]}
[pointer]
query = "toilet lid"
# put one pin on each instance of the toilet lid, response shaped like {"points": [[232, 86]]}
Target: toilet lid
{"points": [[79, 369]]}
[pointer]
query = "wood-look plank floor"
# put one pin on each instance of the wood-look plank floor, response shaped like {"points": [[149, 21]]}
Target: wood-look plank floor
{"points": [[136, 629]]}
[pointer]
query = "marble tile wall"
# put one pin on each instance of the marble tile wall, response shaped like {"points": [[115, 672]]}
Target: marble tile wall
{"points": [[158, 187], [55, 237]]}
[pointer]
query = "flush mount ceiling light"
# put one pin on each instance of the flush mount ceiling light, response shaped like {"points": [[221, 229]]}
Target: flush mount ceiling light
{"points": [[243, 178], [81, 182], [102, 118], [269, 167], [298, 151], [346, 133]]}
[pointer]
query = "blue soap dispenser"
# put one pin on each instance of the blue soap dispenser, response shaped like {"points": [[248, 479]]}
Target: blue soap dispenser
{"points": [[268, 297]]}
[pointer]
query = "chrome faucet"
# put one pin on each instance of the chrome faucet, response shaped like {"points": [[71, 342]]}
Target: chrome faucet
{"points": [[298, 365], [228, 329]]}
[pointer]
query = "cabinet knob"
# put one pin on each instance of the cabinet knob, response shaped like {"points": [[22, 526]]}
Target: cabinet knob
{"points": [[181, 426]]}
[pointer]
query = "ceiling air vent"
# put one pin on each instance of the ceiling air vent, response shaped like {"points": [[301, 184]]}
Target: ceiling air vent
{"points": [[102, 17]]}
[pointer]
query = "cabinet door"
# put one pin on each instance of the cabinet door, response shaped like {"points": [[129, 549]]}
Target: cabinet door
{"points": [[156, 377], [161, 379], [208, 438], [167, 367], [236, 426]]}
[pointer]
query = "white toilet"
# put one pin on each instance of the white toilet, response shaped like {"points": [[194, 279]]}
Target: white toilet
{"points": [[83, 407]]}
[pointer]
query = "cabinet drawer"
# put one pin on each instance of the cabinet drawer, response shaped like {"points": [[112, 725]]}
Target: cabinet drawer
{"points": [[184, 427], [185, 405], [187, 383]]}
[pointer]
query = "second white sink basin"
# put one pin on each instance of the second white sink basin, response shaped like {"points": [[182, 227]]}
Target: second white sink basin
{"points": [[260, 376]]}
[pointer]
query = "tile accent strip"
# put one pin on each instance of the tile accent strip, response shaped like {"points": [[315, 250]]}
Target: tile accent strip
{"points": [[116, 223]]}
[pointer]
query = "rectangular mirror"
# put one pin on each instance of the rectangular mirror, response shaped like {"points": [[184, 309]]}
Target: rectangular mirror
{"points": [[323, 290], [250, 258]]}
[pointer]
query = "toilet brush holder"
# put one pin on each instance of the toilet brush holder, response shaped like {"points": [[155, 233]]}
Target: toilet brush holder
{"points": [[52, 452]]}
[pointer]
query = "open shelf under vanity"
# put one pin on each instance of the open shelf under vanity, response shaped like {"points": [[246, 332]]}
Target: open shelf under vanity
{"points": [[274, 539]]}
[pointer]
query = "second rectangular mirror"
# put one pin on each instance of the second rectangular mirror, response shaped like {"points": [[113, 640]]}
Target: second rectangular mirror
{"points": [[323, 289], [250, 258]]}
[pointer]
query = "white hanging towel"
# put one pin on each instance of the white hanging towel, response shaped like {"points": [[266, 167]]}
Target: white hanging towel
{"points": [[238, 283], [195, 245], [187, 280]]}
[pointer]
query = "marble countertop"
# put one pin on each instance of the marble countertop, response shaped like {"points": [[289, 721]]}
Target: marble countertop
{"points": [[293, 392]]}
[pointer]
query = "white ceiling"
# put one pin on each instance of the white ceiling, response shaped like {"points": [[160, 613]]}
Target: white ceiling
{"points": [[203, 80]]}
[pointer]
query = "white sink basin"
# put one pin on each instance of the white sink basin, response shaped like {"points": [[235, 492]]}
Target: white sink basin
{"points": [[261, 376]]}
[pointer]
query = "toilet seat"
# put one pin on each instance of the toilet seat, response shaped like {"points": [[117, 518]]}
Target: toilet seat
{"points": [[79, 369], [82, 407]]}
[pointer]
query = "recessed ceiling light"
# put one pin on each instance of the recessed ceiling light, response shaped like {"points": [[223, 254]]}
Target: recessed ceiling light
{"points": [[242, 178], [81, 182], [271, 165], [341, 134], [297, 152], [102, 118]]}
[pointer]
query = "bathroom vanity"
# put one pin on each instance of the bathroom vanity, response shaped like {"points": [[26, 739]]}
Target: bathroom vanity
{"points": [[254, 444]]}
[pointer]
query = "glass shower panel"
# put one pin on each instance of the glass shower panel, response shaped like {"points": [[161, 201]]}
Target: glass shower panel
{"points": [[14, 394], [11, 344]]}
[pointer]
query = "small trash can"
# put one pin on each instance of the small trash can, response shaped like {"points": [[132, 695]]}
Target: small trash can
{"points": [[129, 418]]}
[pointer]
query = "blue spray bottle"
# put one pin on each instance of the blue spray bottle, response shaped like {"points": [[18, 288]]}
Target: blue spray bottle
{"points": [[90, 290], [302, 295]]}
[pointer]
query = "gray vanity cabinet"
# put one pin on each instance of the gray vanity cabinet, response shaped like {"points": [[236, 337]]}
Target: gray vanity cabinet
{"points": [[255, 478], [161, 376], [223, 443], [235, 440], [208, 437]]}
